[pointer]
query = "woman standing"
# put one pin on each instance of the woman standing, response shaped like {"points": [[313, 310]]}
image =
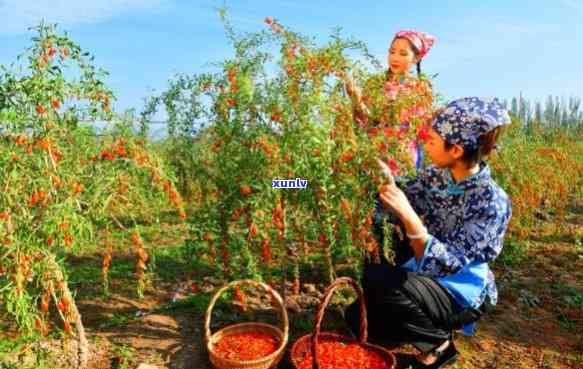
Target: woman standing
{"points": [[395, 101]]}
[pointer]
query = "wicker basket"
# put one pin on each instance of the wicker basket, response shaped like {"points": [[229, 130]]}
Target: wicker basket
{"points": [[310, 341], [263, 363]]}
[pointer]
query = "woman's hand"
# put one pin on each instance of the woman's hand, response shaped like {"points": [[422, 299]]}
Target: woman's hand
{"points": [[351, 89], [392, 197], [360, 112]]}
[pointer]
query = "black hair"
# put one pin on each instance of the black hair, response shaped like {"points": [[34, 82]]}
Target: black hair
{"points": [[486, 144]]}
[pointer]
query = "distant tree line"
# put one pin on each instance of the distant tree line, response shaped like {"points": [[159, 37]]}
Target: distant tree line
{"points": [[557, 113]]}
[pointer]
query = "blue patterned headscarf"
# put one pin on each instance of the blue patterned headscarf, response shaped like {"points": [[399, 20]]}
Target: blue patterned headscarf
{"points": [[464, 120]]}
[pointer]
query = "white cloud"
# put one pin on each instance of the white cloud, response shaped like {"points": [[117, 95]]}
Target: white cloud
{"points": [[573, 4], [17, 15], [490, 39], [503, 29]]}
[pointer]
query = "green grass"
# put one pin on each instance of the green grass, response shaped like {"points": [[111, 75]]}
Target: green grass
{"points": [[119, 320], [9, 345], [579, 243], [198, 302], [513, 253], [167, 264], [82, 273], [123, 356], [172, 262], [571, 296], [567, 323], [28, 353], [528, 298]]}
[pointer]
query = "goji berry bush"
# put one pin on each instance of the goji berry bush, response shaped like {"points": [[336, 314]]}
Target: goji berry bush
{"points": [[63, 186], [267, 115]]}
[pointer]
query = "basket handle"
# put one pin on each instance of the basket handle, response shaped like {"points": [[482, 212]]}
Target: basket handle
{"points": [[283, 311], [320, 314]]}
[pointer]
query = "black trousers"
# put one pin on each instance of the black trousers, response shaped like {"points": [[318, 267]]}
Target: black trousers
{"points": [[405, 307]]}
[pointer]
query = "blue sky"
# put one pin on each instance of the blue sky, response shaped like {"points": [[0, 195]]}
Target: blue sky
{"points": [[487, 48]]}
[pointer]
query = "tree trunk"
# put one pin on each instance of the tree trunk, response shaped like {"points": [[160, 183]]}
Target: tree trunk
{"points": [[83, 348]]}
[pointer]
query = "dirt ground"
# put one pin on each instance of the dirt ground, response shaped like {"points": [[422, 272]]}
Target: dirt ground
{"points": [[538, 322]]}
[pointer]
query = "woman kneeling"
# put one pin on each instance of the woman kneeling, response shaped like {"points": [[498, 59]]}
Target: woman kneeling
{"points": [[442, 277]]}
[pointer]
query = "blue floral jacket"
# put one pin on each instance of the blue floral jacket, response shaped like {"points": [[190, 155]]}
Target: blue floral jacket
{"points": [[466, 221]]}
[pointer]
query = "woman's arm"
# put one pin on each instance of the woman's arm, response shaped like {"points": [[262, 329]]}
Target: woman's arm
{"points": [[360, 112], [397, 201], [414, 189], [479, 238], [391, 196]]}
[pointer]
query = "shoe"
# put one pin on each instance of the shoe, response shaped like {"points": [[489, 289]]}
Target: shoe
{"points": [[444, 358]]}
